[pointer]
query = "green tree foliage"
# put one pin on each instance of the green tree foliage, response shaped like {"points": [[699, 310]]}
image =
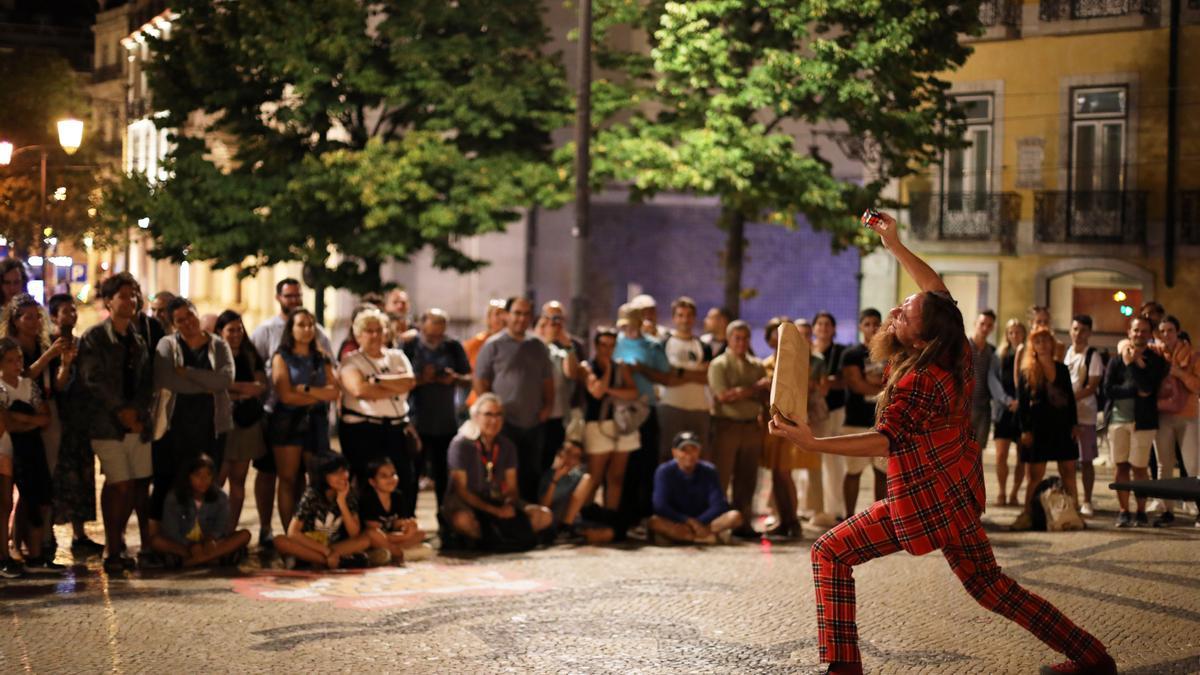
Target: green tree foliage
{"points": [[365, 131], [711, 108], [41, 89]]}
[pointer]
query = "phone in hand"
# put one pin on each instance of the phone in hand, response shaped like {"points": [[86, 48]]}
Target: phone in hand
{"points": [[870, 217]]}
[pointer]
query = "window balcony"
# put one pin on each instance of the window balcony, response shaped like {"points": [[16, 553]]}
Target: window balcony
{"points": [[1090, 217], [1189, 217], [1063, 10], [978, 216], [994, 13]]}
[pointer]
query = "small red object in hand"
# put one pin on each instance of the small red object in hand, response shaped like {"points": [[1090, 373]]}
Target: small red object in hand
{"points": [[871, 217]]}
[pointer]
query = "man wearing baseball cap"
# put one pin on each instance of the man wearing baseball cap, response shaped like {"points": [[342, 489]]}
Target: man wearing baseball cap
{"points": [[689, 505]]}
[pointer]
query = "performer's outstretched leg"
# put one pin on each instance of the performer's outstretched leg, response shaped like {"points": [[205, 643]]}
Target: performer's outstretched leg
{"points": [[972, 561], [864, 536]]}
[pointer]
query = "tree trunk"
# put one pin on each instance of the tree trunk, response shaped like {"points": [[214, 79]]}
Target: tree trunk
{"points": [[734, 224]]}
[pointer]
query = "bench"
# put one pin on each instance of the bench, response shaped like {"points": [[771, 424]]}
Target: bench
{"points": [[1181, 489]]}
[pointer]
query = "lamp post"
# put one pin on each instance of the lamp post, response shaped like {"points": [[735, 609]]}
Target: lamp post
{"points": [[70, 137]]}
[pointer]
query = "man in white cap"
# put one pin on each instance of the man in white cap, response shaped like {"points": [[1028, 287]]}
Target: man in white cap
{"points": [[650, 326]]}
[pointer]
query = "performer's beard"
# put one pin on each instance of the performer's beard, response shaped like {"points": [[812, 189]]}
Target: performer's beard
{"points": [[885, 345]]}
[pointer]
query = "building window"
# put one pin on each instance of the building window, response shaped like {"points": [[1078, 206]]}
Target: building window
{"points": [[968, 171], [1098, 119]]}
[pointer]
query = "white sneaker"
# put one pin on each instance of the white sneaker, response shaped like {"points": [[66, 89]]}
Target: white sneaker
{"points": [[1086, 510], [422, 552], [823, 520]]}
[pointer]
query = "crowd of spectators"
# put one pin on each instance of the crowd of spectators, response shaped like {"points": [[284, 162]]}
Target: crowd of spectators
{"points": [[528, 435]]}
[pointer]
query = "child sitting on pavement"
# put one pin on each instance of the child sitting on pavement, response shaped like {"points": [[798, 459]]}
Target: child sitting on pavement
{"points": [[326, 530], [195, 527], [689, 505], [389, 528]]}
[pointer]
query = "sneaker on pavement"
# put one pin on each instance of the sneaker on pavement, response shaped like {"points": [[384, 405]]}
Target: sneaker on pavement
{"points": [[1086, 510], [746, 533], [1141, 519], [266, 539], [725, 537], [377, 557], [1105, 666], [422, 552], [43, 564], [85, 546], [114, 564], [1125, 519], [11, 569], [1164, 519]]}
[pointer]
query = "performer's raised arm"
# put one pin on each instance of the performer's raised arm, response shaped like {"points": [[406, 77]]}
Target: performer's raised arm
{"points": [[919, 270]]}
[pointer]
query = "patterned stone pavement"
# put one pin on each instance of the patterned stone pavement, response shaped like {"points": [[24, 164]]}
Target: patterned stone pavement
{"points": [[744, 608]]}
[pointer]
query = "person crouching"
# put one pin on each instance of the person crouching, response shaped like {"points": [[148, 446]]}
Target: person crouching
{"points": [[689, 504]]}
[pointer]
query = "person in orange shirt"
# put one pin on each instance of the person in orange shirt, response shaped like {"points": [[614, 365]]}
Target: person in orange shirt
{"points": [[1177, 406], [494, 322]]}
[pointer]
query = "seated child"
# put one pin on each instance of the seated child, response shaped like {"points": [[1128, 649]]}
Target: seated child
{"points": [[326, 530], [565, 489], [389, 528], [195, 527], [689, 504]]}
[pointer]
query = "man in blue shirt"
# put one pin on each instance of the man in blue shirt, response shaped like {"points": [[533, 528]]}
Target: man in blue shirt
{"points": [[689, 504], [642, 354]]}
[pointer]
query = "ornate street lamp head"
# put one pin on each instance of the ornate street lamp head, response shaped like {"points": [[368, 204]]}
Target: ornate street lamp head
{"points": [[70, 135]]}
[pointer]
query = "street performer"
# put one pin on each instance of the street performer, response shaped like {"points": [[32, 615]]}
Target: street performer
{"points": [[934, 483]]}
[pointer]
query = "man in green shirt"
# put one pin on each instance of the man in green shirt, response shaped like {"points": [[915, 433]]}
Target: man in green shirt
{"points": [[738, 381]]}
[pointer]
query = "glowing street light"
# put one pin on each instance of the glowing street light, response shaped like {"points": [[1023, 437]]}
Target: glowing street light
{"points": [[6, 152], [1120, 296], [70, 135]]}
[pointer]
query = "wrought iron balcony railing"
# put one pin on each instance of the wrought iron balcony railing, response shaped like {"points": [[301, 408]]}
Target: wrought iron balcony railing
{"points": [[1000, 13], [1061, 10], [966, 216], [1090, 217], [1189, 217]]}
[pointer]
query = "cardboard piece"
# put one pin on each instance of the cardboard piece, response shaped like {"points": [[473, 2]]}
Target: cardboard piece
{"points": [[789, 386]]}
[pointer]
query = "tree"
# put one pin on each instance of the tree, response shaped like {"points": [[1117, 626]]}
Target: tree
{"points": [[40, 90], [361, 132], [712, 107]]}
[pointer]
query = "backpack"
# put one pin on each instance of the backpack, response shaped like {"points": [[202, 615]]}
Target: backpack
{"points": [[1101, 399]]}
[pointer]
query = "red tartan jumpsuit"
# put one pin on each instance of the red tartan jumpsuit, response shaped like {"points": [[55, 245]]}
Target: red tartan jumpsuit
{"points": [[934, 499]]}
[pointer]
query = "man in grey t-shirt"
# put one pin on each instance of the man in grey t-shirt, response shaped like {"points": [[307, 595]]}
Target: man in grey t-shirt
{"points": [[516, 367]]}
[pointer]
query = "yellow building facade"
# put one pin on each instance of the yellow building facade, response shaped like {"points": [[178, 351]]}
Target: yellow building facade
{"points": [[1061, 197]]}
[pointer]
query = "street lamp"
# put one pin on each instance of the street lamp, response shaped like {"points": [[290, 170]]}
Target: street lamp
{"points": [[70, 137]]}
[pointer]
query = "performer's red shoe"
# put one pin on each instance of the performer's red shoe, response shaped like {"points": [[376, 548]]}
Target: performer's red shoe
{"points": [[844, 668], [1104, 666]]}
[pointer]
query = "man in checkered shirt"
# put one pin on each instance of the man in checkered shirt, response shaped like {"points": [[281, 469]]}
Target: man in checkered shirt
{"points": [[934, 487]]}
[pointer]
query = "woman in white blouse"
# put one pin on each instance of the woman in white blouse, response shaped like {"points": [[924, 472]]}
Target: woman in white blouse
{"points": [[374, 418]]}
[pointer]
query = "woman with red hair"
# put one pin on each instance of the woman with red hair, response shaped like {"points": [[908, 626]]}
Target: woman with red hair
{"points": [[1046, 410]]}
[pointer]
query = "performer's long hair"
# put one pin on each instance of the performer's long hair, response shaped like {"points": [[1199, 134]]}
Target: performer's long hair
{"points": [[945, 338]]}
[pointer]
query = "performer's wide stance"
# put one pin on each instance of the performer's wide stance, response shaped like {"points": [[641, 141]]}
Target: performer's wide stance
{"points": [[934, 486]]}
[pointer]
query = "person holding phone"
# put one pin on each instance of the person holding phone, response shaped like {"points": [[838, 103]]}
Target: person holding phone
{"points": [[935, 484]]}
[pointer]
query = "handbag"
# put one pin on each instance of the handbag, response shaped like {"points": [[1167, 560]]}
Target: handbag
{"points": [[629, 416]]}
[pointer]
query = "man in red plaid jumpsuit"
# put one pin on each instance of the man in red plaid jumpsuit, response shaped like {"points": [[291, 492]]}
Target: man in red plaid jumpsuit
{"points": [[934, 486]]}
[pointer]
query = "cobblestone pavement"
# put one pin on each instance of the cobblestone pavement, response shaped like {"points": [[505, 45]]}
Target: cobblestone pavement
{"points": [[744, 608]]}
